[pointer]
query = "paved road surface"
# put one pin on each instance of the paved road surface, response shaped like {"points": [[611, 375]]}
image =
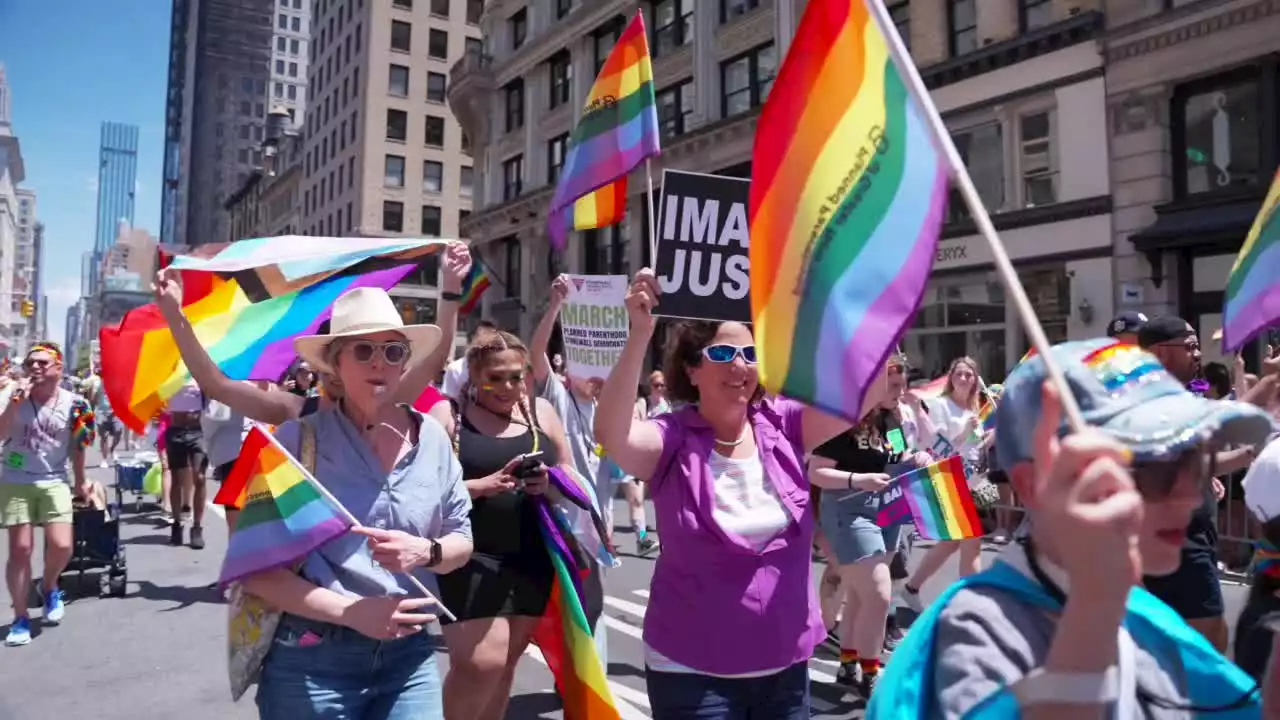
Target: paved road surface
{"points": [[160, 651]]}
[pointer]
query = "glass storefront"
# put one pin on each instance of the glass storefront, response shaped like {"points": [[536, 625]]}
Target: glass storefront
{"points": [[958, 317]]}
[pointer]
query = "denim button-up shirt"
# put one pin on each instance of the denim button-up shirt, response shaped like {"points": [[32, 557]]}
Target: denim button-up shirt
{"points": [[423, 495]]}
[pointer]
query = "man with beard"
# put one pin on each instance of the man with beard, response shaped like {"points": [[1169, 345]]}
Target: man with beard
{"points": [[46, 426]]}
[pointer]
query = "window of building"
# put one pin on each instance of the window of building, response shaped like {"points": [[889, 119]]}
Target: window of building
{"points": [[293, 69], [282, 22], [518, 27], [514, 98], [605, 250], [672, 25], [278, 90], [437, 86], [392, 216], [675, 104], [557, 148], [465, 143], [398, 81], [281, 44], [1034, 14], [512, 265], [733, 9], [962, 19], [466, 176], [393, 174], [279, 67], [561, 67], [1221, 135], [397, 125], [432, 176], [901, 16], [604, 38], [438, 44], [292, 92], [431, 221], [295, 24], [435, 131], [401, 33], [958, 317], [746, 79], [473, 46], [982, 149], [1037, 159], [440, 8], [295, 47], [405, 4], [474, 9], [563, 7], [512, 177]]}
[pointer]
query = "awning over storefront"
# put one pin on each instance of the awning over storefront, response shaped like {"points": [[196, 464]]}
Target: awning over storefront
{"points": [[1207, 227]]}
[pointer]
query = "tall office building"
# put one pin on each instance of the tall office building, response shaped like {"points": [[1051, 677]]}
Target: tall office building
{"points": [[12, 172], [117, 183], [26, 268], [384, 155], [290, 50], [216, 111]]}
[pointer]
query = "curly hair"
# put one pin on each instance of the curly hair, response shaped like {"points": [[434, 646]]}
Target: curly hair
{"points": [[684, 351]]}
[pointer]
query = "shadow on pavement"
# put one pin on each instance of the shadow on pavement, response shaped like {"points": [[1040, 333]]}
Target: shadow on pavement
{"points": [[523, 707], [835, 699], [625, 669], [185, 597]]}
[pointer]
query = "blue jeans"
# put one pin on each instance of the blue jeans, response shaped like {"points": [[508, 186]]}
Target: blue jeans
{"points": [[688, 696], [318, 670]]}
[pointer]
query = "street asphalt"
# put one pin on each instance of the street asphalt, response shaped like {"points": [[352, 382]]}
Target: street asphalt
{"points": [[159, 652]]}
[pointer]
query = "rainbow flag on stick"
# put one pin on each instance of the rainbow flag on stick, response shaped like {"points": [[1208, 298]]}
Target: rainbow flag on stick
{"points": [[473, 286], [848, 195], [618, 130], [1253, 288], [246, 301], [286, 513], [939, 500]]}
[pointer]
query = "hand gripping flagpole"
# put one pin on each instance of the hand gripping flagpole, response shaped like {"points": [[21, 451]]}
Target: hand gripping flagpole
{"points": [[942, 141], [346, 515]]}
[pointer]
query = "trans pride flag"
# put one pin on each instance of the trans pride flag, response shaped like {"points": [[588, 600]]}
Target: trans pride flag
{"points": [[848, 194]]}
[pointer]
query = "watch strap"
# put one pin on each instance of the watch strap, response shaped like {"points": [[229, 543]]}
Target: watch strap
{"points": [[450, 296], [436, 553], [1041, 687]]}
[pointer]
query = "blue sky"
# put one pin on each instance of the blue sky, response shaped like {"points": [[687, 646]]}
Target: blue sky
{"points": [[72, 65]]}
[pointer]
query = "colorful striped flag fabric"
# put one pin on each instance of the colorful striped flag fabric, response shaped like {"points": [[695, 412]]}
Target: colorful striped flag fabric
{"points": [[987, 416], [245, 316], [931, 390], [563, 634], [618, 130], [940, 501], [1253, 289], [473, 287], [848, 194], [285, 515]]}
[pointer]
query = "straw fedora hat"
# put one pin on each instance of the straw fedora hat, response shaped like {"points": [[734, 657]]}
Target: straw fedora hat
{"points": [[365, 311]]}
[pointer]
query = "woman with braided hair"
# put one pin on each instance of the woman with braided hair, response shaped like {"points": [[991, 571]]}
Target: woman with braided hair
{"points": [[501, 594]]}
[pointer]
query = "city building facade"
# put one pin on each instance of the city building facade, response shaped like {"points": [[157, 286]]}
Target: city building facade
{"points": [[289, 56], [23, 305], [12, 172], [220, 64], [1020, 84], [383, 154], [1195, 141], [268, 204], [117, 183], [130, 262]]}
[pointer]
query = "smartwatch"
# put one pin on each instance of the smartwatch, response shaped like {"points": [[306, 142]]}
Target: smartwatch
{"points": [[434, 555], [450, 296]]}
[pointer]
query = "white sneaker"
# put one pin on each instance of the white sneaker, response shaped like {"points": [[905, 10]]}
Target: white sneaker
{"points": [[912, 599], [104, 464]]}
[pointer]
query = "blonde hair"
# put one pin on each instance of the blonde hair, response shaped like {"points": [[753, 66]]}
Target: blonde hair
{"points": [[975, 394]]}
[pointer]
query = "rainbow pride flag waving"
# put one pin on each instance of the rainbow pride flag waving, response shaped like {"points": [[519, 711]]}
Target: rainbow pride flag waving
{"points": [[938, 500], [618, 130], [848, 194], [285, 515], [1253, 288]]}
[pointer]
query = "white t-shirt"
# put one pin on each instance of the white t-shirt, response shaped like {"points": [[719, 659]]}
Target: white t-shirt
{"points": [[455, 376], [1262, 483], [950, 419]]}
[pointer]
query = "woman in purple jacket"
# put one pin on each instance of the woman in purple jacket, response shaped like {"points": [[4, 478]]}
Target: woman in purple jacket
{"points": [[733, 616]]}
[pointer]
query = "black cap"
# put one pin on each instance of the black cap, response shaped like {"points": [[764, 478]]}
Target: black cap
{"points": [[1127, 322], [1162, 330]]}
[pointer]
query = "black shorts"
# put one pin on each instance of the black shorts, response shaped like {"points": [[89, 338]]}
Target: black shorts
{"points": [[184, 446], [108, 425], [1194, 590]]}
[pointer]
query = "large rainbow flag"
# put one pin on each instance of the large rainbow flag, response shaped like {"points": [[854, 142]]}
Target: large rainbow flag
{"points": [[564, 635], [618, 130], [285, 516], [1253, 288], [246, 301], [848, 195], [939, 500]]}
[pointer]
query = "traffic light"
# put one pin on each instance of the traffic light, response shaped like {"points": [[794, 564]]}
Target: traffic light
{"points": [[28, 308]]}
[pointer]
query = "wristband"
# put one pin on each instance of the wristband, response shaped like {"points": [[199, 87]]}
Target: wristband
{"points": [[1041, 687], [850, 481], [450, 296]]}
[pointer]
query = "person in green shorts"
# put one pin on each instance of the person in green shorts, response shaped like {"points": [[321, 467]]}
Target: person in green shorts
{"points": [[45, 426]]}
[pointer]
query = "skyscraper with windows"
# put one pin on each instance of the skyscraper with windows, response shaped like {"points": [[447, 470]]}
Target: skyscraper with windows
{"points": [[117, 181], [290, 46]]}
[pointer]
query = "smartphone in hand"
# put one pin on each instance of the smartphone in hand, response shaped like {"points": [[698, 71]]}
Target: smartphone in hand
{"points": [[530, 464]]}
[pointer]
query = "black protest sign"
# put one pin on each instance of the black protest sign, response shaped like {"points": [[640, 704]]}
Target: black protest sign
{"points": [[703, 243]]}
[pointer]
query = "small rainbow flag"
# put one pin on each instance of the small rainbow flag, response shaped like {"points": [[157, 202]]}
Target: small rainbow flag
{"points": [[285, 515], [848, 195], [931, 390], [473, 287], [987, 416], [1253, 290], [618, 130], [940, 502]]}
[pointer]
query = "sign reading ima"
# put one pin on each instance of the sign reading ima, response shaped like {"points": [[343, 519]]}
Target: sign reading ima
{"points": [[703, 245]]}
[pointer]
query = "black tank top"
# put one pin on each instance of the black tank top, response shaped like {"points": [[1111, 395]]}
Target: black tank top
{"points": [[505, 523]]}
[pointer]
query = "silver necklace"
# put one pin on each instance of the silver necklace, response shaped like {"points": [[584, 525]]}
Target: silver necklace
{"points": [[734, 443]]}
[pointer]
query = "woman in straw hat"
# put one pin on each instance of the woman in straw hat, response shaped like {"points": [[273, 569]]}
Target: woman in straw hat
{"points": [[353, 638]]}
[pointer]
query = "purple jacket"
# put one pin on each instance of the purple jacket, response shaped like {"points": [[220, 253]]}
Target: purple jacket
{"points": [[715, 604]]}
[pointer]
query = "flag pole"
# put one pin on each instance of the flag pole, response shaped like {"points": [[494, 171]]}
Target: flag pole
{"points": [[1004, 266], [653, 216], [346, 515]]}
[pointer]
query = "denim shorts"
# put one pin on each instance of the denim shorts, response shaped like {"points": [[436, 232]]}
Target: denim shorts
{"points": [[851, 529], [783, 695], [319, 670]]}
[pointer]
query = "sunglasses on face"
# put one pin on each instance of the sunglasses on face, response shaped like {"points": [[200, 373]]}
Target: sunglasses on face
{"points": [[658, 385], [723, 353], [36, 363], [393, 353], [1155, 479], [512, 378]]}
